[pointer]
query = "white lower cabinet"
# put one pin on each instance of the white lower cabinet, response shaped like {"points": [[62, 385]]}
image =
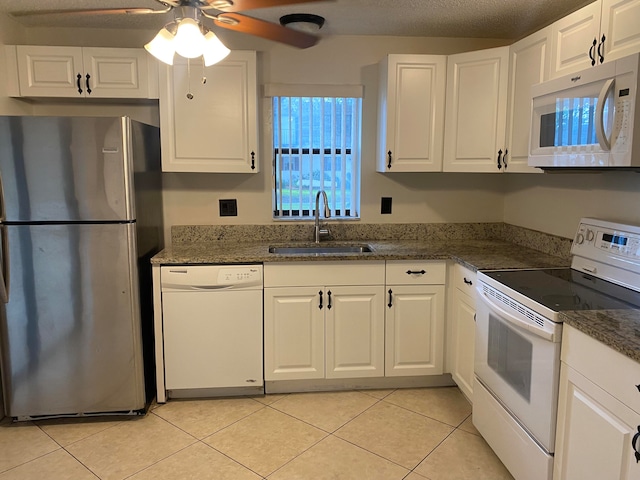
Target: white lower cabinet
{"points": [[324, 320], [462, 318], [354, 323], [414, 330], [598, 411], [293, 333]]}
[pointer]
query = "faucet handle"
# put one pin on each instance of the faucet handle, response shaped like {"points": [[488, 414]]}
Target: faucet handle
{"points": [[324, 231]]}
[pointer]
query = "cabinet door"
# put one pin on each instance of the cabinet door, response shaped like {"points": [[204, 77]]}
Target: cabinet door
{"points": [[463, 341], [354, 332], [476, 110], [573, 46], [411, 113], [50, 71], [619, 25], [216, 129], [529, 64], [414, 330], [115, 72], [595, 432], [293, 333]]}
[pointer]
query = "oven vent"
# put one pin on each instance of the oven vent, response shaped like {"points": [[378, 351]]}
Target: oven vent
{"points": [[513, 305]]}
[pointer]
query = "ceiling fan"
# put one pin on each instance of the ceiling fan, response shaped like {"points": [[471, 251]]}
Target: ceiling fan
{"points": [[189, 37]]}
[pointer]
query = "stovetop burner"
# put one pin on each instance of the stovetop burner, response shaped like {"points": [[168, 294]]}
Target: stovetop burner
{"points": [[561, 289]]}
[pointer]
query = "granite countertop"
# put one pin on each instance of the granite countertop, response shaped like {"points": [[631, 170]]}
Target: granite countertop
{"points": [[473, 254], [618, 329]]}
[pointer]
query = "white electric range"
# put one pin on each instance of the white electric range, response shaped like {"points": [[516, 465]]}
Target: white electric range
{"points": [[518, 339]]}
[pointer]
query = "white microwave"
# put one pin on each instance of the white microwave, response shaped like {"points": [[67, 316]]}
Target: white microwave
{"points": [[587, 120]]}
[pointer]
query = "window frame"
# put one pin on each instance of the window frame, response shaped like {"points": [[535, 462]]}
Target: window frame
{"points": [[348, 160]]}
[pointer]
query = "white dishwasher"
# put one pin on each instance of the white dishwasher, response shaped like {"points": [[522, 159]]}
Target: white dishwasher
{"points": [[212, 329]]}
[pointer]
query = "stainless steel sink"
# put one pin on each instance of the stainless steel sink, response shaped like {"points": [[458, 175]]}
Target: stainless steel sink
{"points": [[319, 249]]}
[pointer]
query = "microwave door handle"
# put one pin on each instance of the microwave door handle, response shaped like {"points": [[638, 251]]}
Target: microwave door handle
{"points": [[601, 135], [509, 318]]}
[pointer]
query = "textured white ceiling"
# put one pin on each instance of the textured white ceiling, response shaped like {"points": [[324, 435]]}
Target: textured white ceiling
{"points": [[508, 19]]}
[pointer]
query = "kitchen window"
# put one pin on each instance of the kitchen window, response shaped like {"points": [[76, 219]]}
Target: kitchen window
{"points": [[316, 146]]}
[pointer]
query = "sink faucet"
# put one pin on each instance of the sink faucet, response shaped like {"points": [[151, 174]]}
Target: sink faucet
{"points": [[321, 232]]}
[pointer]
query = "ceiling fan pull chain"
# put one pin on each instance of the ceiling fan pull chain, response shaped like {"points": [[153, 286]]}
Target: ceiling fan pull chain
{"points": [[189, 94], [204, 77]]}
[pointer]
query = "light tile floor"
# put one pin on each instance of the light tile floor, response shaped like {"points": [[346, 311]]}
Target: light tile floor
{"points": [[412, 434]]}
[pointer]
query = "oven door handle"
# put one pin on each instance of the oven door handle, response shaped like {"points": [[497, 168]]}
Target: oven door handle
{"points": [[508, 317]]}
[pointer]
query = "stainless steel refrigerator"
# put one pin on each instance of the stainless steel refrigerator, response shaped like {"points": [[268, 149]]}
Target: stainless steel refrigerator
{"points": [[80, 217]]}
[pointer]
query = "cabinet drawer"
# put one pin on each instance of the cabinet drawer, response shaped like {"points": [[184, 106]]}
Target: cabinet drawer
{"points": [[297, 274], [411, 272], [464, 279], [612, 371]]}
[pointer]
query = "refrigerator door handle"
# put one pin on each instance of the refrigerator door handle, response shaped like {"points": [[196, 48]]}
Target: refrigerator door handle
{"points": [[4, 250], [4, 271]]}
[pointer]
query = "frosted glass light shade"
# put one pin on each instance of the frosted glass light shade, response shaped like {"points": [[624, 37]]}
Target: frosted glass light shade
{"points": [[214, 49], [189, 41], [162, 46]]}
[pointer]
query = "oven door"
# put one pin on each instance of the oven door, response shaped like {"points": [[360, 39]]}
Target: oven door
{"points": [[518, 360]]}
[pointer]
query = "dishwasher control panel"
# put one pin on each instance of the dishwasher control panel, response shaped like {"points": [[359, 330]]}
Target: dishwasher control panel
{"points": [[240, 275], [210, 277]]}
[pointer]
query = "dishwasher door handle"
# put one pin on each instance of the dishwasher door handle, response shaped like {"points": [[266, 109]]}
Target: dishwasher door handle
{"points": [[175, 287]]}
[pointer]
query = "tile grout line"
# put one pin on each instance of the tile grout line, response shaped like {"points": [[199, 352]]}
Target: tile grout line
{"points": [[328, 434]]}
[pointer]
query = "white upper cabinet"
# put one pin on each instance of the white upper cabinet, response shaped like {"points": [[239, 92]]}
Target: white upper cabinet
{"points": [[208, 116], [476, 111], [603, 30], [411, 113], [45, 71], [620, 25], [529, 64]]}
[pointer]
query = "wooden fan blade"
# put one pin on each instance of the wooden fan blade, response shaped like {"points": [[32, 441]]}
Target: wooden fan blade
{"points": [[240, 5], [84, 11], [268, 30]]}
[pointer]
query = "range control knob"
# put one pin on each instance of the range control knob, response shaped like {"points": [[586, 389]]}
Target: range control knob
{"points": [[580, 239], [590, 235]]}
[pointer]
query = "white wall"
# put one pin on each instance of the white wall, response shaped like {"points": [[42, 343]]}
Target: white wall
{"points": [[193, 199], [554, 203]]}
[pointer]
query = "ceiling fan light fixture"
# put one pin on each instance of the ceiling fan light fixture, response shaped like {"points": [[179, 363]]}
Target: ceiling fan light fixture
{"points": [[162, 46], [189, 41], [214, 50], [304, 22]]}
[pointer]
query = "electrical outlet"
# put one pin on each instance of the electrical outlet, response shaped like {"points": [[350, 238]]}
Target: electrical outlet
{"points": [[385, 205], [229, 207]]}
